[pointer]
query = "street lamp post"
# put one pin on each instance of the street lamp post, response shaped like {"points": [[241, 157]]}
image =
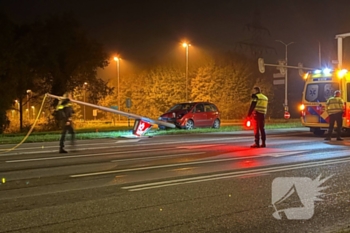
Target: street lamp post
{"points": [[33, 112], [17, 109], [84, 88], [117, 59], [186, 45], [28, 101], [286, 76]]}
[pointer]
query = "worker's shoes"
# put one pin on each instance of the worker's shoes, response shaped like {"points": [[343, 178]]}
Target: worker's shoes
{"points": [[263, 145], [254, 146], [62, 151], [340, 139], [327, 139]]}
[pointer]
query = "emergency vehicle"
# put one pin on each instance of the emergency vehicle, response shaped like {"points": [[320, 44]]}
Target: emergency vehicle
{"points": [[319, 87]]}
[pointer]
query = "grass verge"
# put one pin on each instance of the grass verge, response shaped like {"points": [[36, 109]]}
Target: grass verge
{"points": [[118, 131]]}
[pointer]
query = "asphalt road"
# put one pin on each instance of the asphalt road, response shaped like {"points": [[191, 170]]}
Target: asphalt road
{"points": [[181, 183]]}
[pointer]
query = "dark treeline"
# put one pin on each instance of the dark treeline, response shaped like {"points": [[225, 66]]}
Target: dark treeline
{"points": [[56, 55], [51, 56]]}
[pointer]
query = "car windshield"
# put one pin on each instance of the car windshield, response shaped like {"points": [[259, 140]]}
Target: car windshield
{"points": [[186, 106]]}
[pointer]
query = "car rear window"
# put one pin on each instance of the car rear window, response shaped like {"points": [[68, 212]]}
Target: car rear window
{"points": [[212, 108], [208, 108]]}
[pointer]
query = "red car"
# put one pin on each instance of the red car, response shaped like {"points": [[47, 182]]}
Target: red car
{"points": [[192, 115]]}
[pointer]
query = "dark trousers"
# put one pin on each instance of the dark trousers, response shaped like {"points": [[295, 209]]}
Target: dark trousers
{"points": [[259, 127], [336, 117], [70, 130]]}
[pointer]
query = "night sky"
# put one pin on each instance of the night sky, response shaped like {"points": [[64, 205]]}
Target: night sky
{"points": [[141, 30]]}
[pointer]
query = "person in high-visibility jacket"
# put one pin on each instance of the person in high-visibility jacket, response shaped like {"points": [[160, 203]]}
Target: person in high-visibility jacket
{"points": [[335, 109], [66, 123], [258, 109]]}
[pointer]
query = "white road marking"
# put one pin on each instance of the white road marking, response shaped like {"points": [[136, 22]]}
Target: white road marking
{"points": [[128, 141], [183, 169], [113, 144], [157, 157], [199, 146], [233, 174], [88, 155], [40, 148], [170, 165], [280, 154]]}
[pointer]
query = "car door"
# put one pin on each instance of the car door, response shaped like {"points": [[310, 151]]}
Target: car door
{"points": [[210, 115], [199, 116]]}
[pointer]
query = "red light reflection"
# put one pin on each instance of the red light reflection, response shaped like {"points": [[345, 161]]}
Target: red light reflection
{"points": [[249, 163]]}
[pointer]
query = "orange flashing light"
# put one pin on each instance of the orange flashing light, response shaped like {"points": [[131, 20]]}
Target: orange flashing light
{"points": [[341, 73]]}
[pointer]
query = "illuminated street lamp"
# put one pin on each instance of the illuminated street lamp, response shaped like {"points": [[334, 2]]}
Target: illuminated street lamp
{"points": [[33, 112], [286, 77], [186, 45], [17, 102], [117, 59], [29, 92], [84, 88]]}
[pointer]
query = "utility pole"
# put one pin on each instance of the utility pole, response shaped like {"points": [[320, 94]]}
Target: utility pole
{"points": [[286, 76]]}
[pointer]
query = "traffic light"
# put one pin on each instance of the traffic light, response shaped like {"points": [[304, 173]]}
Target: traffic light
{"points": [[261, 65], [281, 67], [301, 71]]}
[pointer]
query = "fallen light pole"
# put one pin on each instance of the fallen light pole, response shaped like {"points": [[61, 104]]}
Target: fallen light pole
{"points": [[141, 124]]}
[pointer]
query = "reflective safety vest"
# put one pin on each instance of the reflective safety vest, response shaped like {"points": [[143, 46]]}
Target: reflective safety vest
{"points": [[61, 106], [60, 113], [261, 104], [334, 105]]}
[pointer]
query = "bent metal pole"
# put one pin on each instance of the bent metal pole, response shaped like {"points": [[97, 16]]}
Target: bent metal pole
{"points": [[126, 114]]}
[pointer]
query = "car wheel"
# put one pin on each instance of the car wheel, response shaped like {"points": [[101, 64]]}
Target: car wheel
{"points": [[216, 124], [189, 125]]}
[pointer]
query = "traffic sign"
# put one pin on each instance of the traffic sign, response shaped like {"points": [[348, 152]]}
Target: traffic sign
{"points": [[278, 75], [128, 102], [286, 115], [278, 81]]}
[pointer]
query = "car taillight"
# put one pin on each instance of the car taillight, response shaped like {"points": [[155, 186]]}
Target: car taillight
{"points": [[302, 108], [346, 114]]}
